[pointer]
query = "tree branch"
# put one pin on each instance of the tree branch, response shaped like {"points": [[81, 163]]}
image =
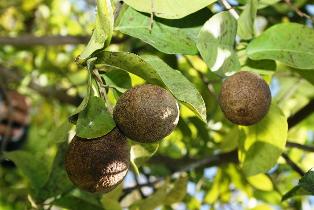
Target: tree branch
{"points": [[298, 11], [50, 40], [301, 114], [292, 164], [128, 190], [187, 164], [13, 76], [29, 40], [232, 11], [307, 148], [56, 93]]}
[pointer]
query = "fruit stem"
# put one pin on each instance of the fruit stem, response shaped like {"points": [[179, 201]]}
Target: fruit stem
{"points": [[102, 90]]}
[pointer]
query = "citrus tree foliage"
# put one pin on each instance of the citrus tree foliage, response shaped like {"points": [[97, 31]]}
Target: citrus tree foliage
{"points": [[74, 59]]}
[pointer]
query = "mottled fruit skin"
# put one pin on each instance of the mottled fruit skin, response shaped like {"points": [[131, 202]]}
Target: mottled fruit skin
{"points": [[245, 98], [100, 164], [146, 113]]}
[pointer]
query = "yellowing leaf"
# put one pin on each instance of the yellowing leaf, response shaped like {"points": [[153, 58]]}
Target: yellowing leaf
{"points": [[261, 182], [263, 143]]}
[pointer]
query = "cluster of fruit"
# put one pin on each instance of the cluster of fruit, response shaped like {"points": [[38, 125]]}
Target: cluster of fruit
{"points": [[147, 114]]}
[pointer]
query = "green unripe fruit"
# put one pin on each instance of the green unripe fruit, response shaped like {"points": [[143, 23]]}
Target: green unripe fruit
{"points": [[146, 113], [100, 164], [245, 98]]}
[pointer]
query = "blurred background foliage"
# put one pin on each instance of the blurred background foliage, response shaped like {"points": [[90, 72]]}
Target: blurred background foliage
{"points": [[39, 42]]}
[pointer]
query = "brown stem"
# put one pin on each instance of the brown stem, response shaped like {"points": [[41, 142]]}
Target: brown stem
{"points": [[187, 164], [231, 10], [307, 148], [102, 90], [301, 114], [292, 164], [298, 11]]}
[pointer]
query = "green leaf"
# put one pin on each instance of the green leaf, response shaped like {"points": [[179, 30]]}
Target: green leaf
{"points": [[70, 201], [178, 191], [128, 62], [231, 140], [117, 79], [58, 181], [215, 43], [168, 36], [170, 9], [34, 169], [261, 182], [282, 43], [246, 20], [307, 182], [140, 153], [260, 66], [110, 200], [61, 133], [265, 3], [178, 85], [263, 142], [305, 186], [155, 71], [262, 207], [95, 120], [110, 204], [103, 31], [74, 116], [306, 74], [153, 201], [219, 186]]}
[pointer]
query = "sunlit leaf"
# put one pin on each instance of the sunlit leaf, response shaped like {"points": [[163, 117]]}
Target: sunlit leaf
{"points": [[170, 9], [282, 43], [246, 20], [231, 140], [178, 191], [262, 207], [168, 36], [216, 43], [178, 85], [142, 152], [263, 143], [220, 185], [261, 182], [153, 201], [155, 71]]}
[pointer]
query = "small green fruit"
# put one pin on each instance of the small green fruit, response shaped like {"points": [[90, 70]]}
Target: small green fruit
{"points": [[146, 113], [100, 164], [244, 98]]}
